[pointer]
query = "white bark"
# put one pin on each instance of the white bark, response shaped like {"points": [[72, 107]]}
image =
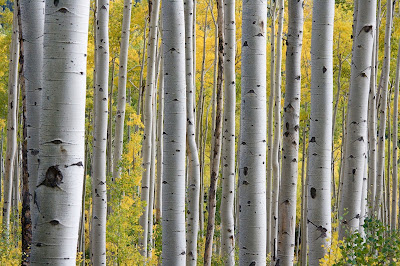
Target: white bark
{"points": [[382, 109], [148, 121], [290, 141], [277, 136], [372, 131], [58, 193], [160, 129], [319, 171], [394, 141], [228, 140], [252, 168], [174, 135], [12, 125], [99, 188], [357, 116], [270, 129], [193, 186], [121, 102], [32, 20]]}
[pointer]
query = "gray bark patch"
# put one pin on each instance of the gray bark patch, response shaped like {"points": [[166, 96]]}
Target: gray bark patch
{"points": [[53, 177]]}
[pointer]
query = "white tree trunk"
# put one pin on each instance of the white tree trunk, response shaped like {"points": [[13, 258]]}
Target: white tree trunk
{"points": [[160, 144], [290, 142], [277, 134], [228, 140], [12, 125], [121, 102], [193, 185], [99, 188], [32, 20], [271, 130], [252, 168], [372, 131], [58, 193], [174, 135], [382, 109], [394, 141], [357, 117], [148, 121], [319, 171]]}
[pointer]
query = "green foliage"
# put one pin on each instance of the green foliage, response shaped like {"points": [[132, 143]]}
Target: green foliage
{"points": [[378, 246]]}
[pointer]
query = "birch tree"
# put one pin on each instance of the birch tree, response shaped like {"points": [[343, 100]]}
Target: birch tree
{"points": [[252, 170], [121, 102], [58, 192], [216, 144], [32, 24], [193, 186], [319, 170], [395, 140], [12, 125], [290, 141], [382, 108], [228, 140], [357, 117], [174, 134], [99, 188], [148, 120], [277, 136]]}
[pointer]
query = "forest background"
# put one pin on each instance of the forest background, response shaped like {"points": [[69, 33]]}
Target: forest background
{"points": [[123, 227]]}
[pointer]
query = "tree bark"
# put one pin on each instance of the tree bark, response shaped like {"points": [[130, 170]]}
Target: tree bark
{"points": [[217, 140], [382, 110], [58, 193], [319, 171], [228, 140], [148, 122], [270, 129], [290, 142], [12, 125], [193, 185], [31, 39], [357, 117], [99, 188], [393, 225], [121, 102], [277, 136], [174, 152], [252, 168]]}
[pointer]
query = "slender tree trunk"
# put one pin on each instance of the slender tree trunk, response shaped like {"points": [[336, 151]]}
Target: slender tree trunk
{"points": [[150, 204], [217, 140], [303, 219], [12, 125], [389, 154], [277, 136], [372, 130], [319, 171], [110, 123], [99, 188], [121, 102], [252, 168], [160, 143], [193, 185], [148, 121], [271, 130], [174, 152], [382, 110], [290, 142], [395, 141], [58, 193], [357, 117], [31, 38], [228, 141]]}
